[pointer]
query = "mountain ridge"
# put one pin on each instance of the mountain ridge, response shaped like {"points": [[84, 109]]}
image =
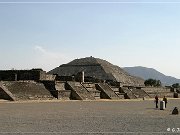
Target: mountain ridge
{"points": [[146, 73]]}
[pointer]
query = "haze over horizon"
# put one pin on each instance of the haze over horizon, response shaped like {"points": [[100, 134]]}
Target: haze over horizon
{"points": [[125, 33]]}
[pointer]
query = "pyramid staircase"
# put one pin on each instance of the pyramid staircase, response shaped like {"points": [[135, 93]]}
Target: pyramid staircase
{"points": [[128, 93], [106, 91], [91, 87], [58, 89], [140, 93], [118, 92], [62, 92], [79, 92]]}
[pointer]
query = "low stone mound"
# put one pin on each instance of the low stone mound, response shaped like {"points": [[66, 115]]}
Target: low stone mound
{"points": [[27, 90]]}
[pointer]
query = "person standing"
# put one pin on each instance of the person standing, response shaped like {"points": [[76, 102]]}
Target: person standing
{"points": [[165, 100], [156, 101]]}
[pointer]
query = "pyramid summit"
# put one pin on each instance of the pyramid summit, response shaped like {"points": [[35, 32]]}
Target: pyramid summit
{"points": [[97, 68]]}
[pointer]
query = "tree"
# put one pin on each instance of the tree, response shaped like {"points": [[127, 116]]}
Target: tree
{"points": [[158, 83], [176, 85], [152, 82]]}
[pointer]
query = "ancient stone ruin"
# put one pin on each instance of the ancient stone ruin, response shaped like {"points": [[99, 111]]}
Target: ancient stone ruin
{"points": [[82, 79], [34, 74], [98, 69]]}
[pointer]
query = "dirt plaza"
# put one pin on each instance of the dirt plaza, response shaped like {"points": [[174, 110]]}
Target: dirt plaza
{"points": [[88, 117]]}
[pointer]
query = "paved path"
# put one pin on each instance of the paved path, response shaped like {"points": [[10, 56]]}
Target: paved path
{"points": [[87, 117]]}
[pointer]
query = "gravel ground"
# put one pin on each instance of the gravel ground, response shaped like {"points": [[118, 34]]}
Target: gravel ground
{"points": [[88, 117]]}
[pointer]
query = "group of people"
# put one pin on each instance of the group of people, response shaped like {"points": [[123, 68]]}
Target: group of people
{"points": [[157, 100]]}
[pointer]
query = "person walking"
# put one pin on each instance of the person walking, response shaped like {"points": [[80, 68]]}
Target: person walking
{"points": [[156, 101], [165, 100]]}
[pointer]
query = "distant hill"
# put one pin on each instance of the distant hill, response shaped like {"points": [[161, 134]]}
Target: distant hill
{"points": [[147, 73]]}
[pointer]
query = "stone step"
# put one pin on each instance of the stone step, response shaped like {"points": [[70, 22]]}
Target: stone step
{"points": [[79, 92], [128, 93], [106, 91]]}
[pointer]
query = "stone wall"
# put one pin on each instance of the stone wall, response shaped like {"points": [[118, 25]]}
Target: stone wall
{"points": [[65, 78], [157, 89], [160, 91], [16, 75], [44, 76], [162, 94], [64, 94], [76, 78], [60, 85]]}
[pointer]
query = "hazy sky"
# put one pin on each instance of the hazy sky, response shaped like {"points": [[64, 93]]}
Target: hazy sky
{"points": [[46, 35]]}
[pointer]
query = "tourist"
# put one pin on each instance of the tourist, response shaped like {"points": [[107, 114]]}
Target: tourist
{"points": [[165, 100], [156, 101]]}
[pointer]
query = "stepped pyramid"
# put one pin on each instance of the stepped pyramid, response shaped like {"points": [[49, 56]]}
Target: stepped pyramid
{"points": [[98, 68]]}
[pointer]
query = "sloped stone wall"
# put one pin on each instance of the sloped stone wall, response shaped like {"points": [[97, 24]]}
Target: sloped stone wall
{"points": [[27, 90]]}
